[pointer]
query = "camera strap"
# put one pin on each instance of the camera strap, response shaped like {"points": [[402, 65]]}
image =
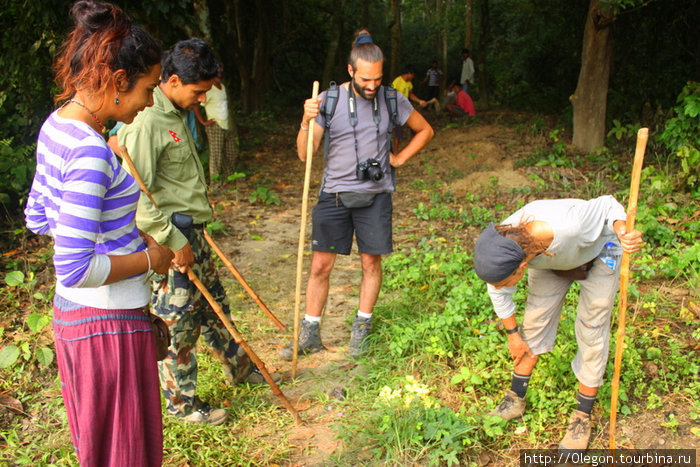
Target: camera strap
{"points": [[352, 115]]}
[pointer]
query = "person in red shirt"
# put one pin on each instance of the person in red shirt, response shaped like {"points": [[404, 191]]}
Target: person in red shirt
{"points": [[463, 105]]}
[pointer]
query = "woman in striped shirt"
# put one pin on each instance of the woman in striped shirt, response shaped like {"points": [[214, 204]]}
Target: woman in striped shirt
{"points": [[107, 69]]}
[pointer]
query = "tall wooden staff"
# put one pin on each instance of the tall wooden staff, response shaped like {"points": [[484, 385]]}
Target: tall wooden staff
{"points": [[642, 137], [242, 281], [216, 307], [302, 234], [124, 154], [239, 340]]}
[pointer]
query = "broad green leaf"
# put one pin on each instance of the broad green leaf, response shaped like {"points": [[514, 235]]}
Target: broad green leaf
{"points": [[14, 278], [44, 356], [37, 322], [8, 356]]}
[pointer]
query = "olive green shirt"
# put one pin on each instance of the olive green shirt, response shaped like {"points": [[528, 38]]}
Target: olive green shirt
{"points": [[164, 154]]}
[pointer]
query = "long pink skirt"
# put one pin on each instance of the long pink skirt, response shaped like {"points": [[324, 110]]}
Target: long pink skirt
{"points": [[109, 380]]}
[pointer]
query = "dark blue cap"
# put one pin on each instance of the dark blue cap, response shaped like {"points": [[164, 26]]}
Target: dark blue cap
{"points": [[495, 256]]}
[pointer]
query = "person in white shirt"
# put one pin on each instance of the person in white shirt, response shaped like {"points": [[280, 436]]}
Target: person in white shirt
{"points": [[222, 142], [467, 76], [560, 241]]}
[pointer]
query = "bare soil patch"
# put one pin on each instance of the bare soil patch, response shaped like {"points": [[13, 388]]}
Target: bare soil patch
{"points": [[263, 244]]}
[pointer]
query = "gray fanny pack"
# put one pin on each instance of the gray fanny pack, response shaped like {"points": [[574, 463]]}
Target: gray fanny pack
{"points": [[352, 200]]}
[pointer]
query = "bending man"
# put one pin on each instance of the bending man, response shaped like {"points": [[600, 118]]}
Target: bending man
{"points": [[560, 241]]}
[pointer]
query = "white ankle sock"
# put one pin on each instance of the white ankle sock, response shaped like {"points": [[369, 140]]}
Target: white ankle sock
{"points": [[364, 315], [312, 319]]}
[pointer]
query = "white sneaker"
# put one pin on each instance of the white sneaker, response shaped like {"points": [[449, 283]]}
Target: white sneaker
{"points": [[207, 414]]}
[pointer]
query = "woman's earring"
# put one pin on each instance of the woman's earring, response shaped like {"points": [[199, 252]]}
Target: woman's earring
{"points": [[116, 99]]}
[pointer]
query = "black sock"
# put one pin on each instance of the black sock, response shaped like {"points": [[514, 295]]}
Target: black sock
{"points": [[585, 403], [519, 384]]}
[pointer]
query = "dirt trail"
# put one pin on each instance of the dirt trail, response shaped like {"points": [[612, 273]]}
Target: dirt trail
{"points": [[264, 248], [263, 242]]}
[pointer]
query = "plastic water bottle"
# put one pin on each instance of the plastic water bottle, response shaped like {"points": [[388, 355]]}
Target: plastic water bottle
{"points": [[610, 255]]}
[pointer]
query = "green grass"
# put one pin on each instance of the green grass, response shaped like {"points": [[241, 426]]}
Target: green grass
{"points": [[437, 360]]}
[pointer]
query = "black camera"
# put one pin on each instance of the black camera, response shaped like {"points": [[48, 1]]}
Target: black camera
{"points": [[370, 170]]}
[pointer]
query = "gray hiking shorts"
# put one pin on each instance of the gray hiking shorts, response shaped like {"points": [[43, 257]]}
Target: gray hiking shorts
{"points": [[334, 226]]}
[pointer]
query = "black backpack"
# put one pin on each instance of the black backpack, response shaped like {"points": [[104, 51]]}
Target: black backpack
{"points": [[331, 102]]}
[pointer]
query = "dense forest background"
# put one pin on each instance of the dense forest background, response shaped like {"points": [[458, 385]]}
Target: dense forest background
{"points": [[561, 89], [528, 56]]}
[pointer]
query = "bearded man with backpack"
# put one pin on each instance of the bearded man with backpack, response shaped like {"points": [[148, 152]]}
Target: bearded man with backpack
{"points": [[356, 120]]}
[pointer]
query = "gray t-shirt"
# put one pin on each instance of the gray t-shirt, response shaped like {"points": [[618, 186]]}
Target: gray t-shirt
{"points": [[339, 174], [581, 229]]}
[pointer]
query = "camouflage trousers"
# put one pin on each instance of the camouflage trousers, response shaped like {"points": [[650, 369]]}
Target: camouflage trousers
{"points": [[188, 315]]}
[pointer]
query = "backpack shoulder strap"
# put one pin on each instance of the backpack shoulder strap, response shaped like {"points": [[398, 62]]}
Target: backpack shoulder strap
{"points": [[391, 106], [328, 110]]}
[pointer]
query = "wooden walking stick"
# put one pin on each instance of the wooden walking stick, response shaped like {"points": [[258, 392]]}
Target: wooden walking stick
{"points": [[125, 156], [239, 340], [642, 137], [216, 307], [302, 234], [242, 281]]}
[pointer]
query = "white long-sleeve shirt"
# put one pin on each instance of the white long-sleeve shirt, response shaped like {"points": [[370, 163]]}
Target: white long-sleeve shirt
{"points": [[581, 229], [467, 71]]}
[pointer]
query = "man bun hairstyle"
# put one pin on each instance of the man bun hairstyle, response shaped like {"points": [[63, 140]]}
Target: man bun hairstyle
{"points": [[103, 40], [192, 60], [368, 52]]}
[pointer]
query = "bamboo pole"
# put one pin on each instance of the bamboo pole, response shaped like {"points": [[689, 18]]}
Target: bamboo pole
{"points": [[216, 307], [239, 340], [242, 281], [125, 156], [302, 235], [135, 173], [642, 137]]}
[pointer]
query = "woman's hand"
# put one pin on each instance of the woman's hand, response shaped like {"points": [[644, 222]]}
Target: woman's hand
{"points": [[161, 256]]}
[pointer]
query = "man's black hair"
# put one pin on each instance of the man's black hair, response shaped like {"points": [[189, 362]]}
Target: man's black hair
{"points": [[465, 51], [192, 60], [408, 69]]}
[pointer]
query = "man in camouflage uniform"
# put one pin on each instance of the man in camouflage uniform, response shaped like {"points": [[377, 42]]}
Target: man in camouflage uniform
{"points": [[165, 156]]}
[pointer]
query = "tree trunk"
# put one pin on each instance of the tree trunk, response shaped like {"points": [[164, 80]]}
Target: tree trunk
{"points": [[590, 98], [468, 23], [445, 32], [201, 11], [364, 14], [395, 27], [214, 34], [262, 58], [480, 62], [333, 44]]}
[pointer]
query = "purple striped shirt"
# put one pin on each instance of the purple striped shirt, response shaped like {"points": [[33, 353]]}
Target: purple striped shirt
{"points": [[83, 198]]}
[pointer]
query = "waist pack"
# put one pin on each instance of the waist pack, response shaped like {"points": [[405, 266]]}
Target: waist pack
{"points": [[161, 333], [352, 200], [576, 274]]}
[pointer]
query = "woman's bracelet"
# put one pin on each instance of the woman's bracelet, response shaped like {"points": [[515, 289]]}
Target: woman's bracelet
{"points": [[148, 271], [301, 125]]}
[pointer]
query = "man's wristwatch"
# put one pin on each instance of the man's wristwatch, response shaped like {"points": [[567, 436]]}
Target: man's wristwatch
{"points": [[512, 331]]}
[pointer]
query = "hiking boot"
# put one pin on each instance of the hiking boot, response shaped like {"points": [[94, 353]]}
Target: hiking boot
{"points": [[360, 330], [255, 376], [510, 407], [309, 341], [577, 433], [207, 414]]}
